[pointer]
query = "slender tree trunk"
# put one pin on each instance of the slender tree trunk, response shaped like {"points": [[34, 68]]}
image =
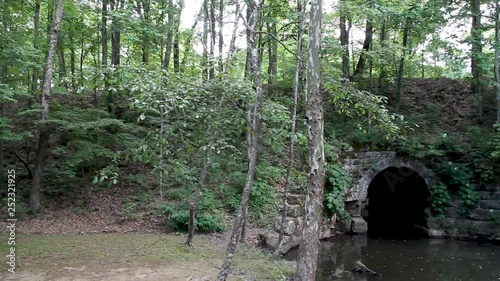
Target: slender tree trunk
{"points": [[232, 43], [248, 68], [116, 35], [291, 149], [308, 249], [62, 61], [213, 34], [360, 67], [34, 201], [72, 61], [383, 73], [2, 108], [188, 48], [221, 35], [177, 66], [344, 39], [104, 58], [497, 56], [170, 34], [146, 6], [272, 52], [197, 193], [204, 40], [36, 39], [476, 53], [256, 126], [399, 82]]}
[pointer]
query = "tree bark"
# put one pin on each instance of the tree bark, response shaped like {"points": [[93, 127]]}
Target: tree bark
{"points": [[2, 108], [255, 122], [116, 35], [344, 40], [497, 56], [104, 54], [204, 41], [360, 67], [248, 67], [180, 7], [36, 39], [291, 149], [221, 35], [399, 82], [34, 200], [188, 48], [146, 7], [197, 193], [383, 72], [213, 34], [61, 60], [170, 34], [476, 53], [232, 43], [272, 50], [308, 249]]}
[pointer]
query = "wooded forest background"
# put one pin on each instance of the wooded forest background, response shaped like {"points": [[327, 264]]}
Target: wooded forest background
{"points": [[213, 118]]}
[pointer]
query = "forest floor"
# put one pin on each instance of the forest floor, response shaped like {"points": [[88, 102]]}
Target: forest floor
{"points": [[133, 256], [101, 241]]}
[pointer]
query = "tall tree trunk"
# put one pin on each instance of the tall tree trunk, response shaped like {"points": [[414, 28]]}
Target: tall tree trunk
{"points": [[308, 249], [62, 61], [272, 52], [146, 7], [383, 73], [360, 67], [72, 60], [497, 56], [34, 201], [180, 7], [116, 35], [232, 43], [248, 63], [2, 108], [255, 122], [104, 51], [193, 208], [204, 40], [344, 40], [476, 53], [170, 35], [188, 47], [213, 34], [291, 149], [221, 35], [399, 81], [36, 39]]}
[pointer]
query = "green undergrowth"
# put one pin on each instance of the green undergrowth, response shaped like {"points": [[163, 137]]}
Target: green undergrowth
{"points": [[51, 252]]}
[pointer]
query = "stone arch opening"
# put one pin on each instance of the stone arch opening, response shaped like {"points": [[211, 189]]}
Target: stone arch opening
{"points": [[397, 199]]}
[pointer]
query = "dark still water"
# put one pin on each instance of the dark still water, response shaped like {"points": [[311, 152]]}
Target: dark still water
{"points": [[401, 260]]}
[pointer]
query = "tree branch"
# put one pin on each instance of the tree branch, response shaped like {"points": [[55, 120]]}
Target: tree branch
{"points": [[22, 161]]}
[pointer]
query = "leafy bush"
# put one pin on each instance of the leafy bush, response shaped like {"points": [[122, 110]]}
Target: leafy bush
{"points": [[338, 180], [440, 199], [459, 178], [208, 217]]}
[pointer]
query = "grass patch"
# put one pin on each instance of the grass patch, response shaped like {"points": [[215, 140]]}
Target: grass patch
{"points": [[51, 252]]}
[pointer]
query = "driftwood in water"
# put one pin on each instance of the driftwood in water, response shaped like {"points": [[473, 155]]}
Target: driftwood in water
{"points": [[362, 269]]}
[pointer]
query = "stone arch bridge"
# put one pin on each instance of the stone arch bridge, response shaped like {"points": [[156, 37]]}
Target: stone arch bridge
{"points": [[389, 194]]}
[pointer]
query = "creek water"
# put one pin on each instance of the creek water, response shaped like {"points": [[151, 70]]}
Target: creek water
{"points": [[400, 260]]}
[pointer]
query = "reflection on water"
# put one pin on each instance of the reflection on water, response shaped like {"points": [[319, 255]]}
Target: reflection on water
{"points": [[398, 260]]}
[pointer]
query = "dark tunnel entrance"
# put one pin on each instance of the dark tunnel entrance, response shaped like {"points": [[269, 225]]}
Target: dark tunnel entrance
{"points": [[397, 199]]}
